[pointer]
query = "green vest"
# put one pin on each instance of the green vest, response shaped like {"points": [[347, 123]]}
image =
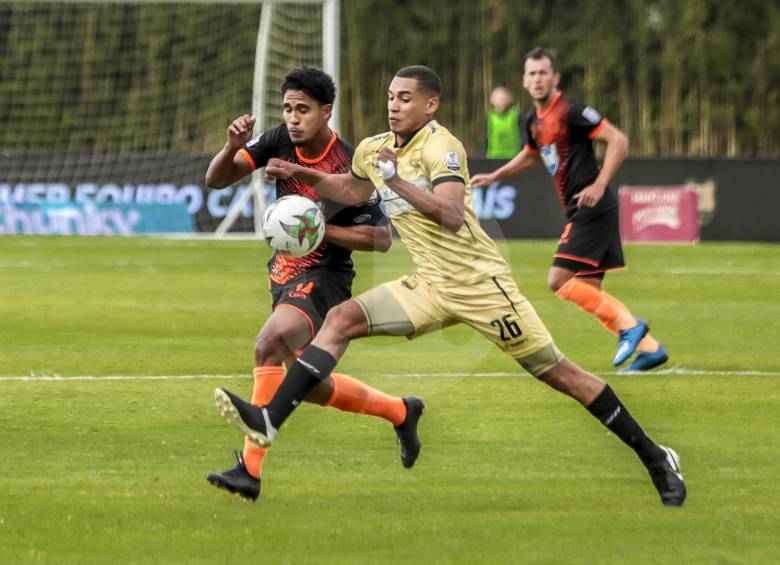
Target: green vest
{"points": [[503, 134]]}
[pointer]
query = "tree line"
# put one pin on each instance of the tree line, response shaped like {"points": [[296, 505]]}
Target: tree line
{"points": [[694, 78]]}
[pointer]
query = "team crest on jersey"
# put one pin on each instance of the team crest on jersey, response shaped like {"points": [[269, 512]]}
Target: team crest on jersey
{"points": [[550, 157], [453, 162]]}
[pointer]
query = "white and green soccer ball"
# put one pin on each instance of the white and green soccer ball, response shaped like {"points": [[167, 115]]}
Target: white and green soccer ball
{"points": [[294, 225]]}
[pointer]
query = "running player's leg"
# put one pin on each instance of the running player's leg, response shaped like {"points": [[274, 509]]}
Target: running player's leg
{"points": [[313, 367], [286, 330], [498, 311], [312, 300], [601, 401], [397, 308], [589, 247], [381, 311]]}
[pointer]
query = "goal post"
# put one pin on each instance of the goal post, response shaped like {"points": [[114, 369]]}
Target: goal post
{"points": [[291, 33]]}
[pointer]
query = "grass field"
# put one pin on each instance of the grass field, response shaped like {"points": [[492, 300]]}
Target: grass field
{"points": [[112, 468]]}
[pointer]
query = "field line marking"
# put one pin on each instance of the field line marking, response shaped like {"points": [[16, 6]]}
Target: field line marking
{"points": [[59, 378], [679, 371]]}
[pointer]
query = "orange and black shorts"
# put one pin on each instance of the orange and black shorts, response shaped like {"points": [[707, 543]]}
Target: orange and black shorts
{"points": [[590, 243], [313, 293]]}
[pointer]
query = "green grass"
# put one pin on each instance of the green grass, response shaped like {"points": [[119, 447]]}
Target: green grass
{"points": [[511, 472]]}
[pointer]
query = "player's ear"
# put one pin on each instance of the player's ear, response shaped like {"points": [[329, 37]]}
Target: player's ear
{"points": [[433, 105], [556, 79], [327, 110]]}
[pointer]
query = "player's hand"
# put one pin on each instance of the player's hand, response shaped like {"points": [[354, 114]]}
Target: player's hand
{"points": [[240, 131], [483, 179], [279, 169], [589, 196], [387, 163]]}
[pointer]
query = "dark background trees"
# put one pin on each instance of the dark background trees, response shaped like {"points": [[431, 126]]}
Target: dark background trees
{"points": [[696, 78]]}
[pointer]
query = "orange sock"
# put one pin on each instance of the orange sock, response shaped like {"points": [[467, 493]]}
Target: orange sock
{"points": [[612, 313], [351, 395], [267, 381]]}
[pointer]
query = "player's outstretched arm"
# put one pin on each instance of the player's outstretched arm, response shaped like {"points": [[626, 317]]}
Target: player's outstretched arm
{"points": [[344, 188], [229, 166], [360, 238], [445, 205], [519, 163]]}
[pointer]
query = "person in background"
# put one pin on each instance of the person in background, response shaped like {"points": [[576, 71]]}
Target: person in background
{"points": [[504, 123]]}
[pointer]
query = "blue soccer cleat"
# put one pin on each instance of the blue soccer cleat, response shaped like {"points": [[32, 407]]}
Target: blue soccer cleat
{"points": [[645, 361], [628, 341]]}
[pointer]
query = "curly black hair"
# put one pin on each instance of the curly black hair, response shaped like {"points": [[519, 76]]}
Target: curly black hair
{"points": [[313, 82]]}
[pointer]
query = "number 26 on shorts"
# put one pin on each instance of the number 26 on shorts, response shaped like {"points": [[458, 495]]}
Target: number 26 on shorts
{"points": [[507, 328]]}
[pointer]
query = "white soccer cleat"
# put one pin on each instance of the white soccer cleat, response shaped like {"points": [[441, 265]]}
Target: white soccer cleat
{"points": [[250, 419]]}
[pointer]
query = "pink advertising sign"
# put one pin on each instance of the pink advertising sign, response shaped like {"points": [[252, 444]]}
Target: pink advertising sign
{"points": [[658, 214]]}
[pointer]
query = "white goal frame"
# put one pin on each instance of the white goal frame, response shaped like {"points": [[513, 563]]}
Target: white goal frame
{"points": [[330, 62]]}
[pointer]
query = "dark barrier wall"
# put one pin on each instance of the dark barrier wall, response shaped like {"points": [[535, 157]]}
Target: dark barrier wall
{"points": [[527, 206], [747, 192], [747, 195]]}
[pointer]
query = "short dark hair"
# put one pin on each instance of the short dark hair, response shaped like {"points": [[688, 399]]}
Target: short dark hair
{"points": [[427, 80], [313, 82], [538, 53]]}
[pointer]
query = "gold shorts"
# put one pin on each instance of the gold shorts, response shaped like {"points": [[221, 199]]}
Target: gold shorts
{"points": [[411, 306]]}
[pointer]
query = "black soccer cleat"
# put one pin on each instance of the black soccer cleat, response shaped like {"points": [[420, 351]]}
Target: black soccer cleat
{"points": [[668, 479], [407, 431], [237, 480], [250, 419]]}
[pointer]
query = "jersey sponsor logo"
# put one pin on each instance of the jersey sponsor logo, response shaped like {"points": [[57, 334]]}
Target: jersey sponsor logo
{"points": [[394, 204], [591, 115], [550, 157], [362, 218], [453, 162]]}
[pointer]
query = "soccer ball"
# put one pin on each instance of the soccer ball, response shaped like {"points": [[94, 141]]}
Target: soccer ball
{"points": [[294, 225]]}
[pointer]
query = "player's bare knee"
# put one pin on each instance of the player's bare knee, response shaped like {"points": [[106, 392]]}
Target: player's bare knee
{"points": [[555, 282], [542, 361], [271, 349], [568, 378], [344, 321]]}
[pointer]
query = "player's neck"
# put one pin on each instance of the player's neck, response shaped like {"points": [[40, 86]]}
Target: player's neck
{"points": [[543, 105], [403, 139], [318, 144]]}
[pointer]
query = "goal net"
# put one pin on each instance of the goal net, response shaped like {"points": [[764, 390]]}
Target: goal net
{"points": [[292, 33], [121, 104]]}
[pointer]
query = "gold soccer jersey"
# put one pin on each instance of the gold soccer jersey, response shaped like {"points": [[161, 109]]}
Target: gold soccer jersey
{"points": [[431, 157]]}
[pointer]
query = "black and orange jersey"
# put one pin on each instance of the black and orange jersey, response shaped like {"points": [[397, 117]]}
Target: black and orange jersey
{"points": [[563, 136], [336, 158]]}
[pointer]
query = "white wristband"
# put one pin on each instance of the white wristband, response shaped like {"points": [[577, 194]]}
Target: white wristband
{"points": [[386, 169]]}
